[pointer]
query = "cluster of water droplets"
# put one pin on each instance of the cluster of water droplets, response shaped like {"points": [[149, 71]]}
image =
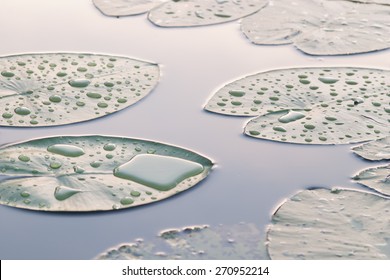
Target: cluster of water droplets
{"points": [[54, 89], [310, 105]]}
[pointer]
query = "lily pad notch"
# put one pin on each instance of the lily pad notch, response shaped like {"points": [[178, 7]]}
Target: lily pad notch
{"points": [[95, 173]]}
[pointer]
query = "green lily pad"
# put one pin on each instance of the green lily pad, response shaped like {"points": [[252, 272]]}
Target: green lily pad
{"points": [[331, 224], [377, 178], [374, 150], [241, 241], [93, 173], [321, 27], [116, 8], [63, 88], [336, 105], [202, 12]]}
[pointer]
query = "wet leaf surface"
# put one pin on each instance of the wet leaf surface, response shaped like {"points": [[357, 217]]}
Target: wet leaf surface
{"points": [[62, 88], [93, 173]]}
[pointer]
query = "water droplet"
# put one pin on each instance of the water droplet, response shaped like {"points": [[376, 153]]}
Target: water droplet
{"points": [[55, 165], [135, 193], [7, 74], [79, 83], [66, 150], [109, 147], [328, 80], [254, 132], [24, 194], [122, 100], [158, 172], [55, 98], [78, 169], [108, 84], [7, 115], [352, 83], [309, 126], [304, 82], [61, 74], [291, 116], [279, 129], [95, 164], [237, 93], [24, 158], [94, 95], [22, 111], [102, 105], [126, 201], [61, 192]]}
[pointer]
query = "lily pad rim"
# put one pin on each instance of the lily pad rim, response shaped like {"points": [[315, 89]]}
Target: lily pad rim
{"points": [[275, 70], [369, 189], [158, 68], [116, 16], [202, 25], [353, 149]]}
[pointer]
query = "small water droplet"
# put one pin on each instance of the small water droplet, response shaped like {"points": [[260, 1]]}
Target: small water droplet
{"points": [[109, 147], [127, 200], [55, 165], [7, 115], [24, 194], [95, 164], [237, 93], [55, 98], [279, 129], [135, 193], [24, 158], [79, 83], [328, 80], [61, 192], [94, 95]]}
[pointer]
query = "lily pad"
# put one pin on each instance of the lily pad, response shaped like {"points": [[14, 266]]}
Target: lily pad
{"points": [[321, 27], [377, 178], [93, 173], [242, 241], [116, 8], [374, 150], [331, 224], [63, 88], [335, 105], [202, 12]]}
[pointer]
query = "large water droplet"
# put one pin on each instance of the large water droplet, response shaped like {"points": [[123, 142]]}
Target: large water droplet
{"points": [[291, 116], [79, 83], [66, 150], [7, 74], [61, 192], [158, 172], [22, 111]]}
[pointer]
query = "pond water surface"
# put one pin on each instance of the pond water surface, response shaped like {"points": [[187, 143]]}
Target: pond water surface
{"points": [[251, 177]]}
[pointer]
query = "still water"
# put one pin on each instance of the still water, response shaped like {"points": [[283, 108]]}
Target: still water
{"points": [[251, 177]]}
